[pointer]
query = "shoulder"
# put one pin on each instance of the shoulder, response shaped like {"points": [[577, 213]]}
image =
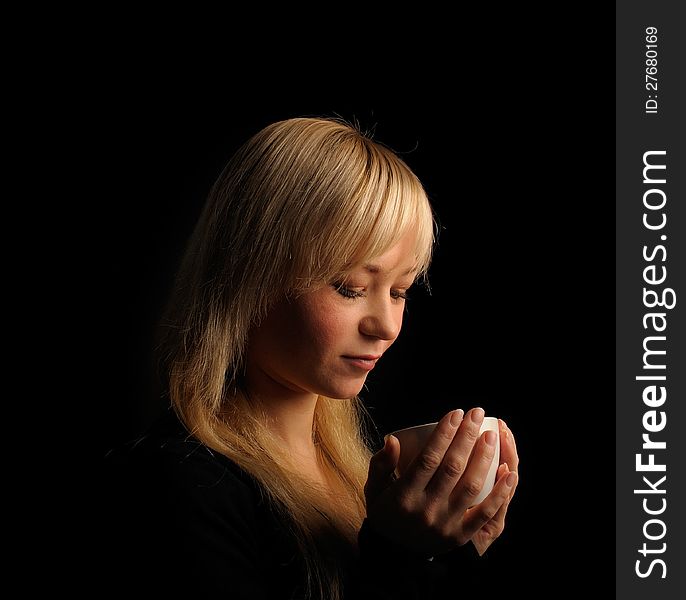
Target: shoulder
{"points": [[168, 465], [181, 517], [169, 494]]}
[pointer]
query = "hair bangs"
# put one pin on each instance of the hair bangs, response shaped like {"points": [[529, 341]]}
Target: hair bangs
{"points": [[388, 202]]}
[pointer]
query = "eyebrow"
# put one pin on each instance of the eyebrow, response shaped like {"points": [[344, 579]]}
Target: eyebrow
{"points": [[372, 268]]}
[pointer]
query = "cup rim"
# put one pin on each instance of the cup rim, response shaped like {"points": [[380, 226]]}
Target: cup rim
{"points": [[414, 427], [427, 424]]}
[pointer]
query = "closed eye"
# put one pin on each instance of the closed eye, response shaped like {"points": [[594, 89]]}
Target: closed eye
{"points": [[347, 292]]}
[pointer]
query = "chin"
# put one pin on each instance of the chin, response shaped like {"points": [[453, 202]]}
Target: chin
{"points": [[343, 392]]}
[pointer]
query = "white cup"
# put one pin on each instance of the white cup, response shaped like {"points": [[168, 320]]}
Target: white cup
{"points": [[413, 439]]}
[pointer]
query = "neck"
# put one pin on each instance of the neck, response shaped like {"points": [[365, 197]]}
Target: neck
{"points": [[291, 414], [293, 423]]}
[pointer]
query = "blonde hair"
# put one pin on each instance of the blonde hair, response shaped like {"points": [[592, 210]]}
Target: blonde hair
{"points": [[299, 205]]}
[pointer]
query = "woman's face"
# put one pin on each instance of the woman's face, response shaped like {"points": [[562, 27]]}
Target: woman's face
{"points": [[326, 341]]}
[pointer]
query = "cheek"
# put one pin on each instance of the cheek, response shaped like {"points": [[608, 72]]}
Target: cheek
{"points": [[324, 327]]}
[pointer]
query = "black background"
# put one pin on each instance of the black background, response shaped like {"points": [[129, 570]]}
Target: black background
{"points": [[515, 154]]}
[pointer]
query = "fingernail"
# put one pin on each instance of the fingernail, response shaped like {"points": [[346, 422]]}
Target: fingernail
{"points": [[490, 437], [456, 417], [478, 415], [509, 482]]}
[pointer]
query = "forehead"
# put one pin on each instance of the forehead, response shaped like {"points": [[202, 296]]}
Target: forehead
{"points": [[399, 259]]}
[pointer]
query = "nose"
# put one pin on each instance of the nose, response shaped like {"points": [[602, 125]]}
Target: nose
{"points": [[382, 320]]}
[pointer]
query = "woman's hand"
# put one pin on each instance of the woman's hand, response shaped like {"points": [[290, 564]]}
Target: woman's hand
{"points": [[509, 463], [427, 510]]}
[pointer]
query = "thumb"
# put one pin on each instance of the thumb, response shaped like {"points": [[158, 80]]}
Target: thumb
{"points": [[382, 466]]}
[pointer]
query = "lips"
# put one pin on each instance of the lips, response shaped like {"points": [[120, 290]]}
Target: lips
{"points": [[364, 362], [364, 356]]}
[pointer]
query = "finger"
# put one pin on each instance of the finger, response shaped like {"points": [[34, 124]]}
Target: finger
{"points": [[381, 467], [511, 437], [456, 458], [499, 518], [514, 487], [424, 465], [493, 528], [508, 449], [469, 486], [497, 501], [503, 470]]}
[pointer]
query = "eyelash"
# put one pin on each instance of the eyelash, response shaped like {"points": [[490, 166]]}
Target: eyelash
{"points": [[350, 293]]}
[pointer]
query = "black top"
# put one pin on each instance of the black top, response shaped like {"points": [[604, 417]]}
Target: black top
{"points": [[184, 521]]}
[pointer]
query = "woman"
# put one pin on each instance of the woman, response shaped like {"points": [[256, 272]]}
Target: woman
{"points": [[261, 483]]}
